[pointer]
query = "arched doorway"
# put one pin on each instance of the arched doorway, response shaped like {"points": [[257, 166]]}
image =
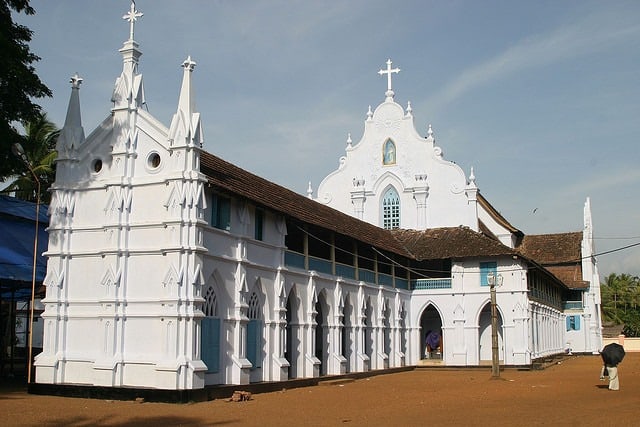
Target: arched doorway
{"points": [[255, 337], [210, 334], [484, 335], [431, 340]]}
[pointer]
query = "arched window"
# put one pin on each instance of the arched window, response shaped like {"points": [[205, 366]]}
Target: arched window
{"points": [[389, 153], [391, 209], [210, 332], [210, 303], [254, 332]]}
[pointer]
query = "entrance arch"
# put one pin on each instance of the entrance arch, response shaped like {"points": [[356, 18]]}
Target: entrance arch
{"points": [[484, 335], [431, 342]]}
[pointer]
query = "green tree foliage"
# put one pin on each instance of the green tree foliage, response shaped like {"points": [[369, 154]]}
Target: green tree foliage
{"points": [[39, 143], [620, 295], [19, 83]]}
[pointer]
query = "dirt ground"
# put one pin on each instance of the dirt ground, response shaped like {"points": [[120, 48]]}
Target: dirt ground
{"points": [[568, 393]]}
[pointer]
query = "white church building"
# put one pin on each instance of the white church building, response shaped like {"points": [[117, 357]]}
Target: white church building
{"points": [[170, 268]]}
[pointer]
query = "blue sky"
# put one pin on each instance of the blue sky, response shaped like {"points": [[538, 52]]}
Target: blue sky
{"points": [[542, 98]]}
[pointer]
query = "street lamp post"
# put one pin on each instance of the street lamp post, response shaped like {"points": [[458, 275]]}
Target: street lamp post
{"points": [[494, 280], [18, 151]]}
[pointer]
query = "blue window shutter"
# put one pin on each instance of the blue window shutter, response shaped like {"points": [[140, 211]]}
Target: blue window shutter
{"points": [[225, 213], [485, 268], [577, 323], [568, 319], [221, 212], [259, 223], [210, 343], [254, 342], [214, 210]]}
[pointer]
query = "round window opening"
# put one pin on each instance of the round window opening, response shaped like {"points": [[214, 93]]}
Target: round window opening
{"points": [[154, 160], [97, 165]]}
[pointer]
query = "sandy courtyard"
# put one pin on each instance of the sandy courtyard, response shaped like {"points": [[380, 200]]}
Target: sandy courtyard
{"points": [[567, 394]]}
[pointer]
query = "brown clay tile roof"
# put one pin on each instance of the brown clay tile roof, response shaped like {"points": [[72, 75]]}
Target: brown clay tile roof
{"points": [[571, 275], [559, 253], [235, 180], [560, 248], [439, 243], [450, 242]]}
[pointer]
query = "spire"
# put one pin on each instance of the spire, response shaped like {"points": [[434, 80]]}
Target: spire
{"points": [[349, 141], [185, 125], [72, 133], [588, 229], [389, 93], [186, 101], [129, 91]]}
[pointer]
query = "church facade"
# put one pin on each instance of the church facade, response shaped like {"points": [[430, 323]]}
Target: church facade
{"points": [[171, 268]]}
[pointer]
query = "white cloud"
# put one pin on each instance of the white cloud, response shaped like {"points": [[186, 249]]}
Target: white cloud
{"points": [[590, 35]]}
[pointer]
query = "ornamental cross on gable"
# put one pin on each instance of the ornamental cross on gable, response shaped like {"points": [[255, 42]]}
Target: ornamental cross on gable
{"points": [[388, 72], [132, 16]]}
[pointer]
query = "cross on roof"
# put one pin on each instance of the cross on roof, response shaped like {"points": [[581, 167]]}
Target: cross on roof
{"points": [[132, 16], [75, 80], [388, 72], [189, 64]]}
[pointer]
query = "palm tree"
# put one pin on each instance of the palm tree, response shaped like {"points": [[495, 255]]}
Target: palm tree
{"points": [[612, 295], [39, 143]]}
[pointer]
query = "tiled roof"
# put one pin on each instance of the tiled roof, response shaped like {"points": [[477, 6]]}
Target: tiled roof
{"points": [[571, 275], [238, 181], [550, 249], [432, 244], [450, 242], [559, 253]]}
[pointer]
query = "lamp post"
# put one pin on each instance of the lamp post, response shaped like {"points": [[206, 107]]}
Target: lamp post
{"points": [[18, 151], [494, 280]]}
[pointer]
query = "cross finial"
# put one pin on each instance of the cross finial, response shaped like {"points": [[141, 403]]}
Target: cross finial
{"points": [[75, 81], [189, 64], [388, 72], [132, 16]]}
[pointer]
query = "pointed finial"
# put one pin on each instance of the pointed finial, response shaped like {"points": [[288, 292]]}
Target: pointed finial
{"points": [[349, 140], [310, 191], [188, 64], [472, 177], [132, 16], [430, 131], [369, 113], [409, 109], [75, 81]]}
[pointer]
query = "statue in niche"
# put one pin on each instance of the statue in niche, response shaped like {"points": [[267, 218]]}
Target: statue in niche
{"points": [[389, 153]]}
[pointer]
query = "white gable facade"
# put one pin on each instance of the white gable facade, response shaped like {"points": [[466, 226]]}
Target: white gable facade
{"points": [[393, 165]]}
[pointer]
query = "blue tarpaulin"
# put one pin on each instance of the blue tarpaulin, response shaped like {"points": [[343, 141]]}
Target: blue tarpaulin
{"points": [[17, 232]]}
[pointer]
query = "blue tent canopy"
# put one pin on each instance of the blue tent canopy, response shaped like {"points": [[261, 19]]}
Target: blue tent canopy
{"points": [[17, 232]]}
